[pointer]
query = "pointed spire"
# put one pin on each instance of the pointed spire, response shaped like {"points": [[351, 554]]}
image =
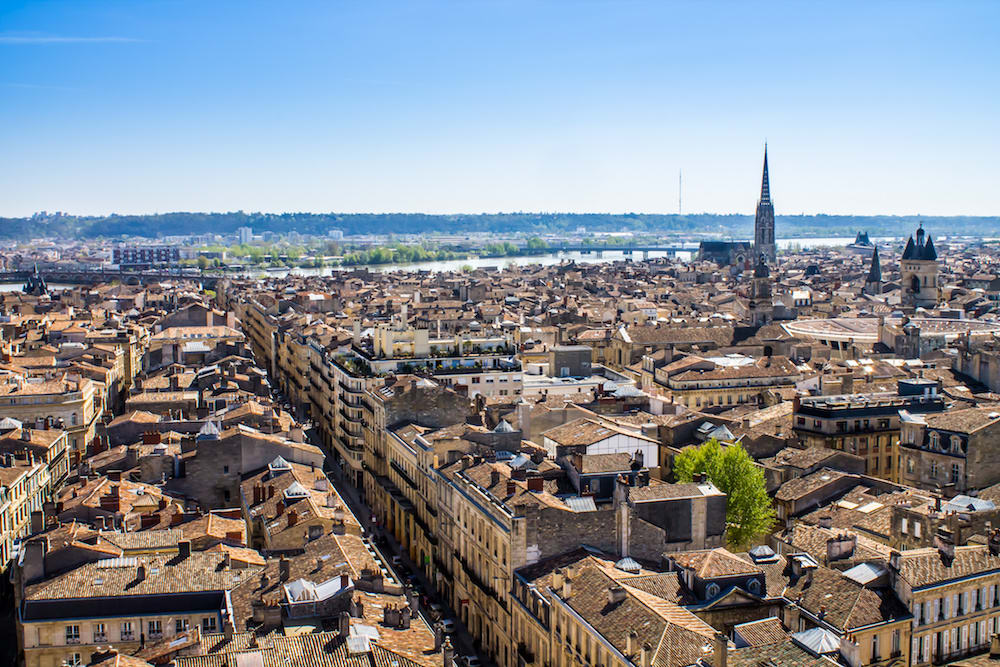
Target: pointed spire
{"points": [[765, 184], [875, 272], [929, 251]]}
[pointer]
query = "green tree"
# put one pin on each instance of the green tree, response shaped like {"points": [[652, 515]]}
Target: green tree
{"points": [[203, 263], [749, 513]]}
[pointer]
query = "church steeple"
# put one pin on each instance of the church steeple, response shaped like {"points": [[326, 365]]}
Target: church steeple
{"points": [[763, 237], [765, 182], [875, 272]]}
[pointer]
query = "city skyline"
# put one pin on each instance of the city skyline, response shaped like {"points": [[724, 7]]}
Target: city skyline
{"points": [[468, 108]]}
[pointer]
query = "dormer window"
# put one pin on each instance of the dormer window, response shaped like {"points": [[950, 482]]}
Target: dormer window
{"points": [[712, 590], [935, 441], [956, 444], [754, 587]]}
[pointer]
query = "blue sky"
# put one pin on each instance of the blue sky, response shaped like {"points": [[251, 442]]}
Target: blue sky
{"points": [[133, 107]]}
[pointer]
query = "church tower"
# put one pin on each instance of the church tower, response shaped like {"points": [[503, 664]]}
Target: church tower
{"points": [[761, 306], [919, 272], [763, 237], [873, 283]]}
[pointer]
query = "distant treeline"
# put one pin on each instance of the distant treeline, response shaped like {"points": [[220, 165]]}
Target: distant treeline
{"points": [[740, 226]]}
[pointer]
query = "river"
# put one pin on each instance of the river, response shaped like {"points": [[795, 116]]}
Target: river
{"points": [[546, 260]]}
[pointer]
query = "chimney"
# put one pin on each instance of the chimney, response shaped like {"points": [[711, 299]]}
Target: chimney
{"points": [[37, 521], [826, 521], [227, 560], [511, 488], [115, 475], [270, 491], [293, 518], [345, 581], [557, 579], [645, 654], [34, 558], [140, 572], [994, 542], [184, 549], [630, 641], [344, 624], [228, 630], [567, 587], [840, 547], [25, 434], [945, 543], [721, 651], [535, 484], [447, 653], [616, 594], [279, 508], [494, 478], [284, 569]]}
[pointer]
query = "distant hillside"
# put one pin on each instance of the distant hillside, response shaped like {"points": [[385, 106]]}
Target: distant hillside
{"points": [[68, 226]]}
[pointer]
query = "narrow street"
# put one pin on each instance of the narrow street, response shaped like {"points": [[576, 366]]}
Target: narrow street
{"points": [[386, 547]]}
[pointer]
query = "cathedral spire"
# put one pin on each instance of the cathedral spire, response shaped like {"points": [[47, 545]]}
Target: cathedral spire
{"points": [[765, 184]]}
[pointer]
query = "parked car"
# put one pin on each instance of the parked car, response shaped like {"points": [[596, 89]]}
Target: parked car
{"points": [[473, 661], [448, 625]]}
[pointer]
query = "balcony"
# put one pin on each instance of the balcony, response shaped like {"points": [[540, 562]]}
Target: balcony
{"points": [[349, 389]]}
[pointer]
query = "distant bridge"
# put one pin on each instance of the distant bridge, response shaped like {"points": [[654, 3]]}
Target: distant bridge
{"points": [[624, 249], [68, 277]]}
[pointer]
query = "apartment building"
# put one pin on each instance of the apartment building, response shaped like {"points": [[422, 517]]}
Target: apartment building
{"points": [[705, 383], [126, 601], [954, 449], [24, 488], [867, 425], [585, 608], [403, 446], [952, 595], [69, 401]]}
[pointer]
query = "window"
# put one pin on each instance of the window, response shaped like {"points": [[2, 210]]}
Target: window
{"points": [[875, 656], [956, 444], [712, 590], [100, 634], [895, 642], [208, 624], [909, 465], [127, 633], [74, 659], [916, 529], [935, 441], [934, 470], [155, 629], [902, 525], [225, 470], [754, 587], [72, 634], [801, 421], [954, 472], [180, 625]]}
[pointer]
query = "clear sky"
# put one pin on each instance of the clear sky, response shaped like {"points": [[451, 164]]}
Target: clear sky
{"points": [[134, 107]]}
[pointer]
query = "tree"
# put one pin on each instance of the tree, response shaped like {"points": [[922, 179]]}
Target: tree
{"points": [[749, 512], [203, 262]]}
